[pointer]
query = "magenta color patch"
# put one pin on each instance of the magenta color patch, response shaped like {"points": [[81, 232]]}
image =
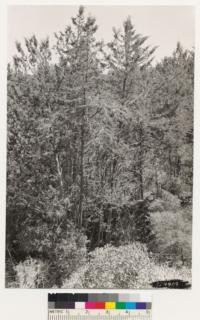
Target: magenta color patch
{"points": [[90, 305]]}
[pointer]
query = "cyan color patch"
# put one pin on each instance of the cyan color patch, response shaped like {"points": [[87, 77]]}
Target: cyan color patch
{"points": [[130, 305]]}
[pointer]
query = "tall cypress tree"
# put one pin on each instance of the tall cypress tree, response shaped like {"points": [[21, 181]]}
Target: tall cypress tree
{"points": [[77, 50], [128, 53], [128, 60]]}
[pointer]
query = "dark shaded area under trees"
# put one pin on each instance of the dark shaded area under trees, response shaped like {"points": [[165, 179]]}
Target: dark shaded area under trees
{"points": [[99, 144]]}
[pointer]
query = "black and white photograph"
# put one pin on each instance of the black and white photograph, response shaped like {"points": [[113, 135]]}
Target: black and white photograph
{"points": [[99, 147]]}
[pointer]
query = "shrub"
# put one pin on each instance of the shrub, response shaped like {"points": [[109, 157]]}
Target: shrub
{"points": [[172, 243], [157, 205], [171, 201], [31, 273], [123, 267], [110, 267], [163, 272]]}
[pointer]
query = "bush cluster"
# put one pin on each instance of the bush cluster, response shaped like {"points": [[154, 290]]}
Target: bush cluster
{"points": [[127, 266], [173, 234]]}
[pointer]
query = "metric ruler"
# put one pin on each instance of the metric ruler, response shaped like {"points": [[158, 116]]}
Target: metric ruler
{"points": [[68, 306], [74, 314]]}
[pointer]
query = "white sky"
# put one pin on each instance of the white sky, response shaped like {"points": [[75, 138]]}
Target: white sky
{"points": [[165, 25]]}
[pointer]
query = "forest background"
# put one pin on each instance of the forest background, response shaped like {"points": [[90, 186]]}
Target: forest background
{"points": [[99, 170]]}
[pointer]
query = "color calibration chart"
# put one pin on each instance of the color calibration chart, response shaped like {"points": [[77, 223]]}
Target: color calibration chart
{"points": [[99, 306]]}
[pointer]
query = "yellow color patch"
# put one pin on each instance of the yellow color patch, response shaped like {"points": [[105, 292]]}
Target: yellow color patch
{"points": [[110, 305]]}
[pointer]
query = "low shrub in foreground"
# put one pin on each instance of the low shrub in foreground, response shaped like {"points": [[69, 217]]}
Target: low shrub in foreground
{"points": [[31, 273], [173, 234], [123, 267]]}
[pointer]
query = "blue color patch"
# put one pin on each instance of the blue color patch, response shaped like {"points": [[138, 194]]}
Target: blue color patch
{"points": [[141, 305]]}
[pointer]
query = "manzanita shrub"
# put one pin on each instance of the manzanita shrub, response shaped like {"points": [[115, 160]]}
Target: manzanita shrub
{"points": [[110, 267], [130, 266]]}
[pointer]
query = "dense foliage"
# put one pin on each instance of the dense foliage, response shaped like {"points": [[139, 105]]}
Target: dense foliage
{"points": [[100, 144], [123, 267]]}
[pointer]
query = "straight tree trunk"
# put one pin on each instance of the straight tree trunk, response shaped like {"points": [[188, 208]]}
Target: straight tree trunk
{"points": [[82, 167], [141, 185]]}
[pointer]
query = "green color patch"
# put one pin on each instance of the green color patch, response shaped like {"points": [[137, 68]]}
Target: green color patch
{"points": [[120, 305]]}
